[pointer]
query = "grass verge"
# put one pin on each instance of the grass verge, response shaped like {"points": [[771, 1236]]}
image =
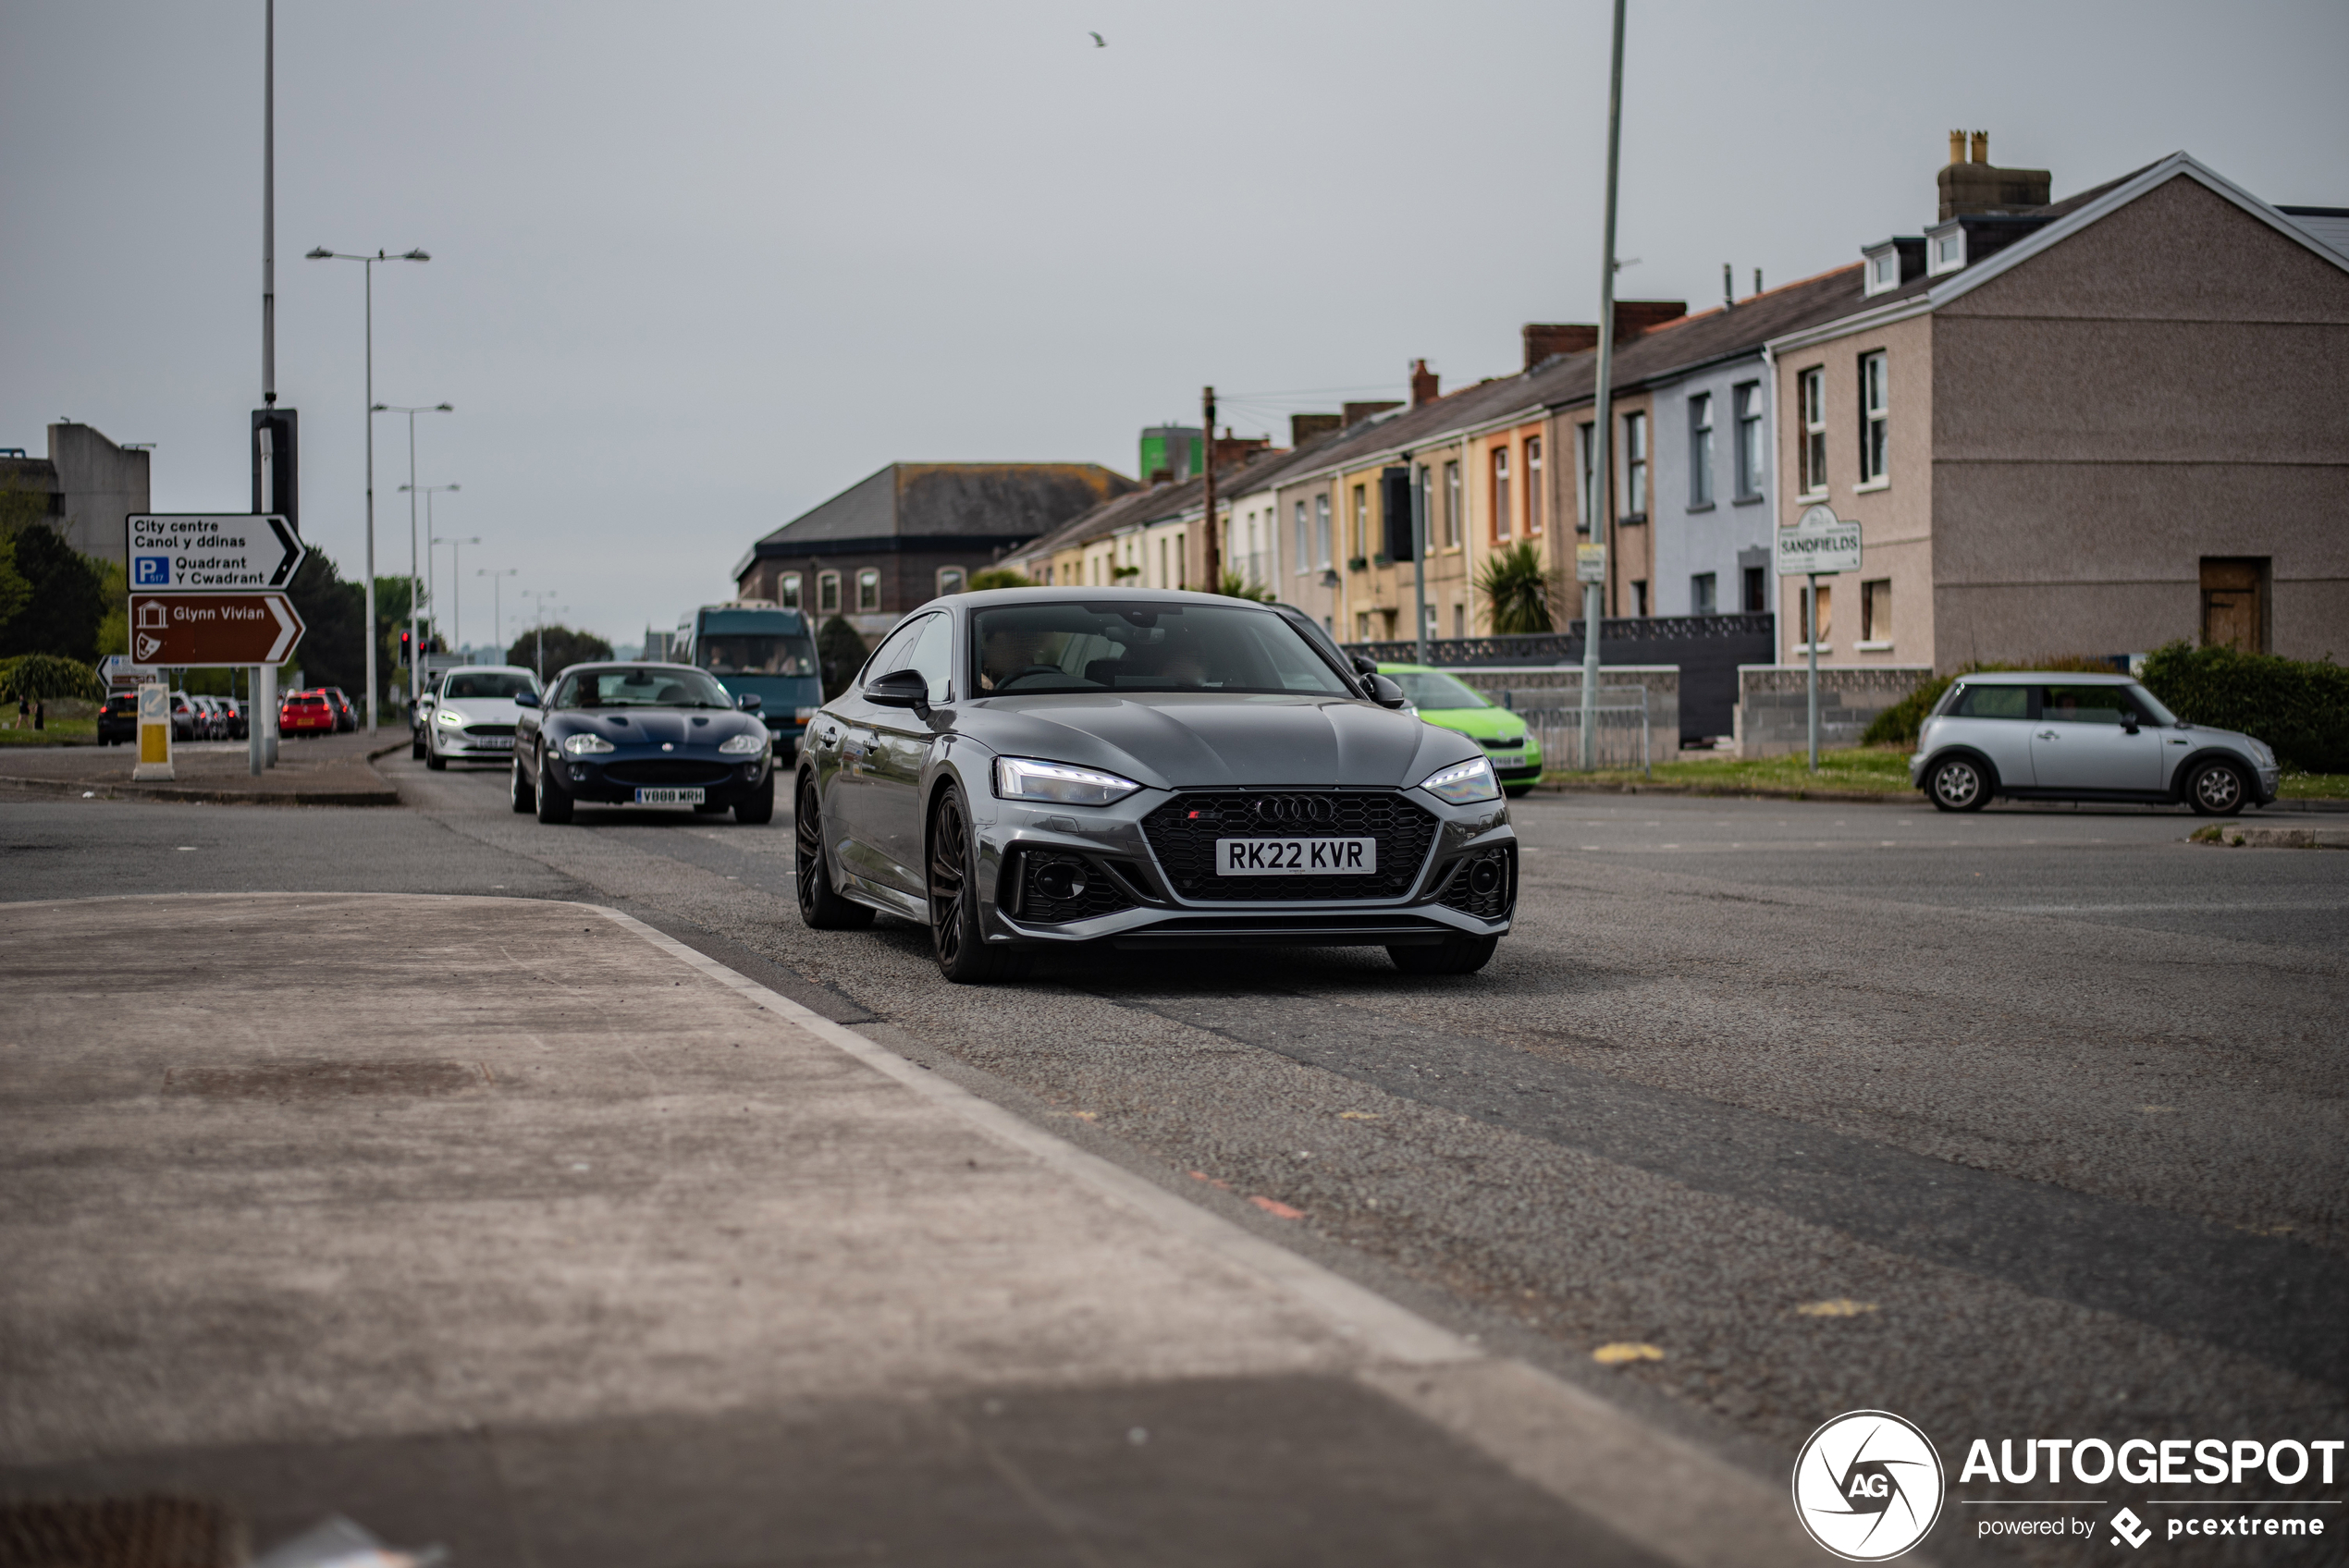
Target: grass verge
{"points": [[60, 732], [1864, 770]]}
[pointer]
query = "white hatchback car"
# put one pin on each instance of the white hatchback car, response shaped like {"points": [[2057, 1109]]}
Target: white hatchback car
{"points": [[2031, 735], [470, 717]]}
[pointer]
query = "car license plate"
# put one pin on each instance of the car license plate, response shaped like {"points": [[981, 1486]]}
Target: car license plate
{"points": [[669, 797], [1295, 857]]}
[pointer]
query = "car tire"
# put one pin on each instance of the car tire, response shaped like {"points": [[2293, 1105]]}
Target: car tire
{"points": [[2216, 789], [1958, 783], [964, 956], [758, 808], [1454, 955], [518, 790], [416, 748], [554, 801], [820, 909], [434, 760]]}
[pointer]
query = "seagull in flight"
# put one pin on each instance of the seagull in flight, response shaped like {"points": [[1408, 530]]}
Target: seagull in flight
{"points": [[1099, 42]]}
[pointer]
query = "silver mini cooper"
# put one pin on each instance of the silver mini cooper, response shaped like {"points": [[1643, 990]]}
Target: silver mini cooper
{"points": [[2033, 736]]}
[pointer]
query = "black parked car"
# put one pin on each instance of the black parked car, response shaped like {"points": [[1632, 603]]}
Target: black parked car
{"points": [[641, 734], [118, 720]]}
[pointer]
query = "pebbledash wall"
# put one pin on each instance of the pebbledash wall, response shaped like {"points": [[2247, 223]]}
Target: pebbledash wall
{"points": [[1774, 704]]}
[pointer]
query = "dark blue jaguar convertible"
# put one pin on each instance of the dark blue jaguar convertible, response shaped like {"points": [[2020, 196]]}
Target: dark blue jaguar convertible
{"points": [[641, 734]]}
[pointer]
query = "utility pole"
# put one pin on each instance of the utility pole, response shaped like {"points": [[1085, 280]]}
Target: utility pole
{"points": [[1420, 472], [1603, 414], [262, 688], [1211, 558]]}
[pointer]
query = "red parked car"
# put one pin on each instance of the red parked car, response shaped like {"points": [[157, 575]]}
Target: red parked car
{"points": [[306, 712]]}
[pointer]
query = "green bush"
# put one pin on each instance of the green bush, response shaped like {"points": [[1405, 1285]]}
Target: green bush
{"points": [[2300, 708], [998, 576], [35, 678]]}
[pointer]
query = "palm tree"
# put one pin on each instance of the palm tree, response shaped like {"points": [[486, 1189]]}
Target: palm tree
{"points": [[1516, 590]]}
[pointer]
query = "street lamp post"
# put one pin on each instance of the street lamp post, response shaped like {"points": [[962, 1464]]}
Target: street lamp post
{"points": [[415, 606], [497, 606], [456, 557], [428, 492], [540, 598], [321, 254]]}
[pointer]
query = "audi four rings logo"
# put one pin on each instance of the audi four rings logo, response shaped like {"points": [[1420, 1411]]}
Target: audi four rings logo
{"points": [[1291, 808], [1867, 1486]]}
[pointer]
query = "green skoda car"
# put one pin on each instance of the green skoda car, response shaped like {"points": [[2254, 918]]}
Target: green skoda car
{"points": [[1452, 703]]}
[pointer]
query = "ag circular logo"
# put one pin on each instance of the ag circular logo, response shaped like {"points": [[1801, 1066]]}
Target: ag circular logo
{"points": [[1868, 1486]]}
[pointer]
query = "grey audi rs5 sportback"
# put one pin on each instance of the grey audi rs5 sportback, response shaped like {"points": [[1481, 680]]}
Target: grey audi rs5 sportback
{"points": [[1026, 768]]}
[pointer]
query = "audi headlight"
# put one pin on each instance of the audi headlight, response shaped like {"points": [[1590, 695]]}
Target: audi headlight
{"points": [[742, 745], [448, 715], [587, 745], [1024, 778], [1463, 783]]}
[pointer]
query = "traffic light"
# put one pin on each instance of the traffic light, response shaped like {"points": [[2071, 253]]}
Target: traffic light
{"points": [[1395, 500], [276, 464], [407, 649]]}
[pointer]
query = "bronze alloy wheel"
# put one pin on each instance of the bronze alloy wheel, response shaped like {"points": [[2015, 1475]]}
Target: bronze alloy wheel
{"points": [[962, 955], [820, 909], [1957, 785], [2216, 789]]}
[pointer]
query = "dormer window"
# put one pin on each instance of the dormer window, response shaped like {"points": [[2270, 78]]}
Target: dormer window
{"points": [[1884, 270], [1945, 248]]}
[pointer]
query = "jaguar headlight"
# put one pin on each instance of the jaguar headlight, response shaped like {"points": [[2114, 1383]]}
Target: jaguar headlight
{"points": [[1463, 783], [450, 717], [742, 745], [587, 745], [1026, 778]]}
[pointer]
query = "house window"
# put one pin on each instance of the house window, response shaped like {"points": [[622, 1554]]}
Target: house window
{"points": [[868, 591], [1361, 537], [827, 593], [1875, 611], [1361, 626], [1635, 466], [1811, 399], [1819, 626], [1701, 595], [1426, 530], [1533, 484], [1884, 270], [787, 591], [1322, 531], [1459, 620], [950, 579], [1949, 249], [1304, 541], [1451, 505], [1500, 492], [1586, 459], [1875, 426], [1701, 449], [1639, 597], [1749, 453], [1182, 561], [1757, 589]]}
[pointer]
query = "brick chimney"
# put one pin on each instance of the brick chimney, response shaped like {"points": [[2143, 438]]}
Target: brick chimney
{"points": [[1233, 450], [1972, 186], [1357, 412], [1425, 384], [1310, 427], [1635, 316], [1547, 340]]}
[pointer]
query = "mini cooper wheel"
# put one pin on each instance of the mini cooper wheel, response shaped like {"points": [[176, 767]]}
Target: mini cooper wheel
{"points": [[1958, 784], [519, 792], [2216, 789], [820, 909], [963, 954], [554, 801], [1454, 955]]}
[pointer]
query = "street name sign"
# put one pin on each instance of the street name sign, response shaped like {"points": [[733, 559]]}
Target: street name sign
{"points": [[1818, 544], [207, 629], [212, 553]]}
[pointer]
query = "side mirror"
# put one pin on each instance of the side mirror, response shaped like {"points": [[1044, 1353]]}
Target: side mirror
{"points": [[1386, 694], [748, 702], [899, 689], [525, 699], [2128, 724], [1365, 665]]}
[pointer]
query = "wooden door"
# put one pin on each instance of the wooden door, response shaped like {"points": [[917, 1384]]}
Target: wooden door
{"points": [[2232, 616]]}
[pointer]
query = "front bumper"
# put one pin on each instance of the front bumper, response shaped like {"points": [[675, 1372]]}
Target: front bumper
{"points": [[613, 779], [1068, 875]]}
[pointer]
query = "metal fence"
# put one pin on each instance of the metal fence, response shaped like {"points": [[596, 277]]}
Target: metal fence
{"points": [[1619, 723]]}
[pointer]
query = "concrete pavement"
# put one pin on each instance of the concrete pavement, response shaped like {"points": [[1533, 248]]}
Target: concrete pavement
{"points": [[515, 1225], [312, 770]]}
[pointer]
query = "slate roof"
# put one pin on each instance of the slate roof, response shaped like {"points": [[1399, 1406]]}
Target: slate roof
{"points": [[991, 502]]}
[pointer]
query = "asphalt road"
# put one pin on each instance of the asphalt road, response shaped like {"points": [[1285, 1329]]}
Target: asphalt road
{"points": [[2023, 1124]]}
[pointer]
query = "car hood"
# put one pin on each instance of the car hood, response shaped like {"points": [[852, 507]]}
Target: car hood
{"points": [[1483, 724], [657, 727], [479, 710], [1189, 741]]}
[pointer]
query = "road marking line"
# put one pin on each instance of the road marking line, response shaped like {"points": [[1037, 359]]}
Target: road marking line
{"points": [[1636, 1479]]}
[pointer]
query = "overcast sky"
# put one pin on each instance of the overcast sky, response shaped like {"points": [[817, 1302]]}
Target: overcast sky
{"points": [[698, 265]]}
